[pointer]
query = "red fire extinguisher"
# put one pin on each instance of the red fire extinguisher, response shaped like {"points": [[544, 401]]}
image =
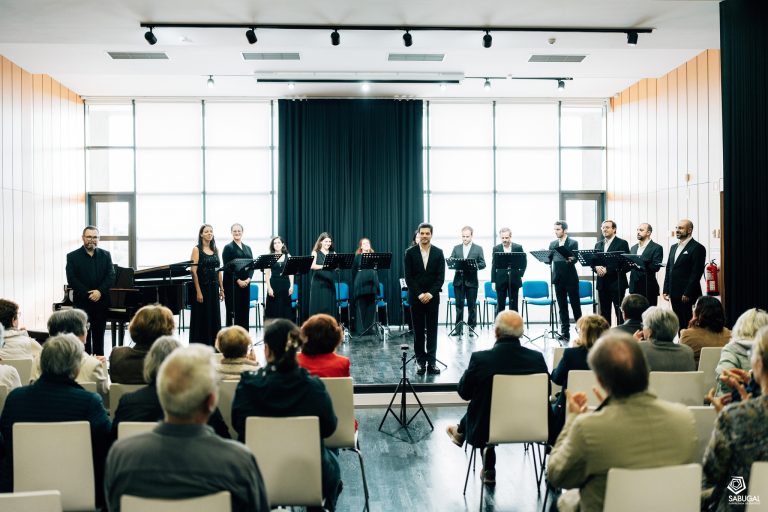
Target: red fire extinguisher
{"points": [[710, 275]]}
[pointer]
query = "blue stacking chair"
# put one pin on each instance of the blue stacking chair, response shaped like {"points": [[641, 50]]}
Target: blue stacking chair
{"points": [[342, 298], [381, 303], [295, 303], [403, 304], [586, 294], [536, 293], [491, 299], [254, 302], [452, 303]]}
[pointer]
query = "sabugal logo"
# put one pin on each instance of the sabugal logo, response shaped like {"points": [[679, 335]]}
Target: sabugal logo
{"points": [[737, 485]]}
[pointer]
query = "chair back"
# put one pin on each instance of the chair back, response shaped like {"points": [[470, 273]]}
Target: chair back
{"points": [[288, 453], [535, 289], [682, 387], [451, 291], [341, 392], [673, 488], [254, 292], [35, 501], [116, 392], [404, 297], [585, 289], [557, 355], [227, 390], [55, 455], [131, 428], [584, 381], [705, 422], [88, 386], [295, 295], [488, 290], [342, 292], [218, 502], [527, 393], [708, 359], [23, 366], [758, 485]]}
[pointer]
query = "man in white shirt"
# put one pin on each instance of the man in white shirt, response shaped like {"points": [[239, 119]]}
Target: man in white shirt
{"points": [[465, 282], [685, 267]]}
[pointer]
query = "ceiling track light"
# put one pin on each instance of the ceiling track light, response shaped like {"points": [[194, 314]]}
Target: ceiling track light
{"points": [[210, 82], [560, 85], [250, 35], [335, 38], [632, 38], [487, 85], [487, 39], [150, 36], [407, 39]]}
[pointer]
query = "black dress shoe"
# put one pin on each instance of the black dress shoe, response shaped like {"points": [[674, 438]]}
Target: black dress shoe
{"points": [[433, 369], [421, 369]]}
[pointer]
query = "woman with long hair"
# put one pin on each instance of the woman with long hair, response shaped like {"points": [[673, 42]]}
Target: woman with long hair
{"points": [[279, 287], [205, 317], [365, 288], [707, 327], [322, 292], [237, 295]]}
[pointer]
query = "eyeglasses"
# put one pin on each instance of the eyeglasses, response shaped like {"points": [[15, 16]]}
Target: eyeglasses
{"points": [[91, 237]]}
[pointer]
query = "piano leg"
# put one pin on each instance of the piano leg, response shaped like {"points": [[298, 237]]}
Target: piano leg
{"points": [[112, 328]]}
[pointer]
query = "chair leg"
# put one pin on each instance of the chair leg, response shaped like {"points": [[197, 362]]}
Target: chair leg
{"points": [[482, 484], [470, 464], [365, 481]]}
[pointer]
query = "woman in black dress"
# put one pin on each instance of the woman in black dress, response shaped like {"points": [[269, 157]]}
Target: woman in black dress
{"points": [[365, 287], [322, 292], [279, 288], [238, 285], [205, 317]]}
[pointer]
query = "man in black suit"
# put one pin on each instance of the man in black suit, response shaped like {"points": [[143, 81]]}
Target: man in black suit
{"points": [[611, 280], [565, 279], [652, 254], [465, 282], [507, 357], [90, 274], [685, 267], [424, 275], [632, 307], [500, 276]]}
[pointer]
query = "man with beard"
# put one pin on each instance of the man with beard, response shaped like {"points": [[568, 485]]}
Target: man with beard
{"points": [[685, 267], [652, 254]]}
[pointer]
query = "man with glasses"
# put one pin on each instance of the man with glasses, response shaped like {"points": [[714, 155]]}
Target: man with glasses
{"points": [[90, 274]]}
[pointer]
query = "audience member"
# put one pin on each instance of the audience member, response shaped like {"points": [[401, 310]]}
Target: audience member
{"points": [[735, 353], [9, 377], [707, 327], [144, 404], [182, 457], [18, 344], [55, 396], [322, 334], [740, 436], [663, 354], [632, 307], [590, 328], [235, 345], [507, 357], [592, 443], [283, 389], [126, 364]]}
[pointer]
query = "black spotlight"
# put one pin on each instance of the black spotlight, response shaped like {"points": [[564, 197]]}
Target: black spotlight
{"points": [[407, 39], [487, 40], [561, 85], [335, 38], [250, 35], [150, 37], [632, 38]]}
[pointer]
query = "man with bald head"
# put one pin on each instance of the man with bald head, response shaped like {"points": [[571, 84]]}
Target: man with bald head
{"points": [[685, 266], [507, 357], [644, 282], [591, 443]]}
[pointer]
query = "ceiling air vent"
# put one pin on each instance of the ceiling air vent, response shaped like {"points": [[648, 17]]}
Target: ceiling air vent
{"points": [[270, 56], [556, 58], [138, 55], [416, 57]]}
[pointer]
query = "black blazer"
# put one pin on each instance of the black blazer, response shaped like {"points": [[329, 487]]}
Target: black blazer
{"points": [[507, 357], [470, 278], [613, 276], [499, 275], [653, 253], [86, 272], [565, 271], [421, 280], [574, 358], [684, 271], [232, 252]]}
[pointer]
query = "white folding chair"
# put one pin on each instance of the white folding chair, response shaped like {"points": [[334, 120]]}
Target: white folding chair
{"points": [[288, 453], [116, 392], [681, 387], [218, 502], [88, 386], [584, 381], [556, 357], [58, 456], [758, 485], [227, 390], [705, 423], [708, 359], [663, 488], [23, 366], [131, 428], [34, 501], [344, 437]]}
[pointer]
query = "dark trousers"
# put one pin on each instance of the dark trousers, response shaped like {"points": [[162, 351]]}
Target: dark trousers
{"points": [[240, 302], [609, 298], [563, 293], [683, 311], [425, 329], [502, 292], [365, 312], [470, 295], [97, 317]]}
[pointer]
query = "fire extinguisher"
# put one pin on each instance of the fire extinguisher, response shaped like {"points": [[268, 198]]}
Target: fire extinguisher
{"points": [[710, 275]]}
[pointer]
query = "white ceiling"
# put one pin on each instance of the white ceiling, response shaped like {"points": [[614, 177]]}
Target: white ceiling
{"points": [[69, 40]]}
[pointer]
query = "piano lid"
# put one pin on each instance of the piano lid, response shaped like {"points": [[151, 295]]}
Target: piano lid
{"points": [[168, 271]]}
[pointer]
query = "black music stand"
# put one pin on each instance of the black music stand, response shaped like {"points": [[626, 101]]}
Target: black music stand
{"points": [[234, 267], [375, 261], [548, 257], [462, 265], [339, 261], [587, 259], [636, 262], [297, 266], [512, 262], [263, 262], [612, 261]]}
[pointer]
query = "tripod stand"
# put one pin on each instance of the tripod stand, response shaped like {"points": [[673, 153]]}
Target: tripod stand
{"points": [[403, 387], [549, 257]]}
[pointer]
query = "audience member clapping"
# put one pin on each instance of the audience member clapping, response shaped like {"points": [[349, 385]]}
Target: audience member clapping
{"points": [[663, 354], [126, 364], [736, 353], [236, 346]]}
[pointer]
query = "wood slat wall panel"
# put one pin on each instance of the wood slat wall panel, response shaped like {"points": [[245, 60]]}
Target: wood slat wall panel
{"points": [[42, 172]]}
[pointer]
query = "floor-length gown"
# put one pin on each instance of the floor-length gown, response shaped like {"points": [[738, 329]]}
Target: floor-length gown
{"points": [[279, 306], [322, 293], [205, 317]]}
